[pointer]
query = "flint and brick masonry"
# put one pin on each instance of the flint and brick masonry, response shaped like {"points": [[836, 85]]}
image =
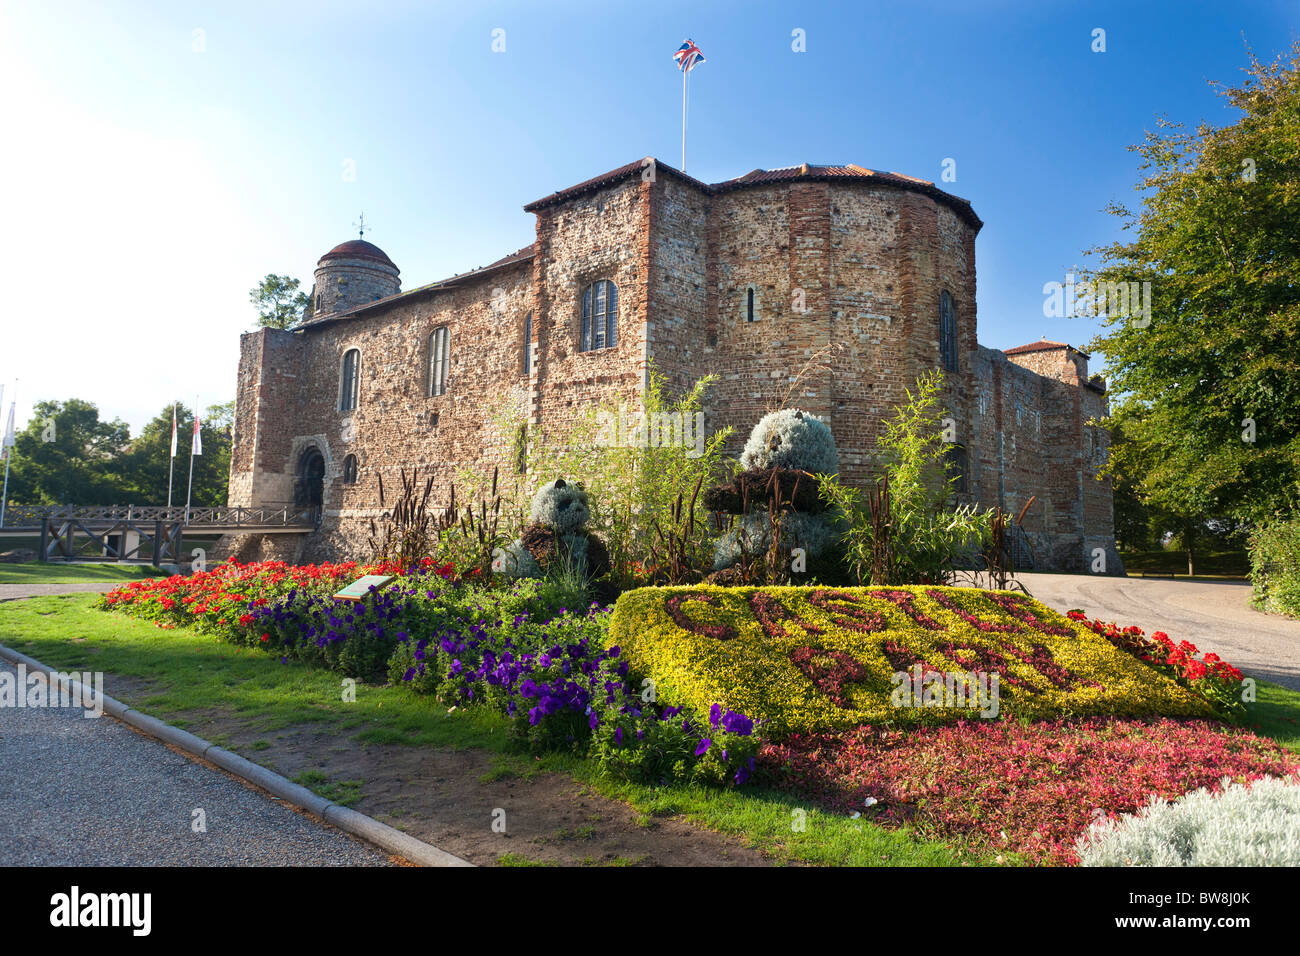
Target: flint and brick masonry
{"points": [[871, 273]]}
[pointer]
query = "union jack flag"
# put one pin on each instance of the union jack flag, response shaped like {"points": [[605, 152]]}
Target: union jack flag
{"points": [[688, 56]]}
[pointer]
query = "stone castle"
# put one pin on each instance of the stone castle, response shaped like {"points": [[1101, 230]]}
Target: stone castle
{"points": [[745, 279]]}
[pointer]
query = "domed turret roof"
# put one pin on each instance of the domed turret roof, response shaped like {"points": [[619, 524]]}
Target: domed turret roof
{"points": [[359, 249]]}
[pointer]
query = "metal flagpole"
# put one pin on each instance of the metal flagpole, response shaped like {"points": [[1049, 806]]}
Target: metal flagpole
{"points": [[8, 448], [684, 75], [194, 438], [171, 467], [5, 500]]}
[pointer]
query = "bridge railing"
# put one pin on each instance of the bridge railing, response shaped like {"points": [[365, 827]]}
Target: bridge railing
{"points": [[27, 516]]}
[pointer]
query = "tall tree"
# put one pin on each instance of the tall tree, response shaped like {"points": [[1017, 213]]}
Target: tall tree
{"points": [[143, 469], [1209, 381], [67, 455], [278, 301]]}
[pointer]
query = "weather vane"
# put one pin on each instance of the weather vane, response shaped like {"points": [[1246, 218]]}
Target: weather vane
{"points": [[361, 225]]}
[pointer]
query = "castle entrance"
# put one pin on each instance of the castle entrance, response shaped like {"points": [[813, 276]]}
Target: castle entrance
{"points": [[309, 484]]}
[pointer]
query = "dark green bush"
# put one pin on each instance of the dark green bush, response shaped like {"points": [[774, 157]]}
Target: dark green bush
{"points": [[1275, 567]]}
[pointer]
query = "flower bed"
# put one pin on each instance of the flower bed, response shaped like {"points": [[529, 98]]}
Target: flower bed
{"points": [[1031, 788], [816, 659], [510, 648], [1210, 676]]}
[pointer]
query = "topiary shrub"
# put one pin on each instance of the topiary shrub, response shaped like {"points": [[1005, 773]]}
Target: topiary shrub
{"points": [[796, 490], [1254, 825], [556, 538], [560, 506], [791, 438], [818, 535], [785, 453]]}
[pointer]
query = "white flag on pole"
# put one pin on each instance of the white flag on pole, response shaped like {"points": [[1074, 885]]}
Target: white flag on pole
{"points": [[173, 429], [197, 445], [9, 430]]}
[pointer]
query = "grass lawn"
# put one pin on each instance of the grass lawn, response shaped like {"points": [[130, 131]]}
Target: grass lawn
{"points": [[37, 572], [1218, 564], [183, 677]]}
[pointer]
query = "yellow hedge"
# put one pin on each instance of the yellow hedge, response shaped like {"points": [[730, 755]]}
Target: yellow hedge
{"points": [[808, 659]]}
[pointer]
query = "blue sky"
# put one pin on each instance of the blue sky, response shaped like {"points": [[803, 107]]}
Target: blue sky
{"points": [[162, 157]]}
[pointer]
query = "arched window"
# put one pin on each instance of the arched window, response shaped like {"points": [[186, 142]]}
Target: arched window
{"points": [[955, 464], [599, 317], [350, 470], [350, 386], [947, 332], [439, 352], [528, 343], [749, 304]]}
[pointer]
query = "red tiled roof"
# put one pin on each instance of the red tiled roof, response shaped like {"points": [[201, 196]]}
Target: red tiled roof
{"points": [[358, 249], [608, 179], [521, 255], [1043, 345], [763, 177]]}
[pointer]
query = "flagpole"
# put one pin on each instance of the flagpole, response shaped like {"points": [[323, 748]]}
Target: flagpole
{"points": [[9, 453], [684, 74], [193, 439], [4, 501], [171, 467]]}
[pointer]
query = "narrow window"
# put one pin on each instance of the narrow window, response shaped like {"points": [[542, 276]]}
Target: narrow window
{"points": [[350, 470], [599, 329], [528, 343], [956, 466], [521, 450], [351, 384], [749, 306], [947, 332], [438, 356]]}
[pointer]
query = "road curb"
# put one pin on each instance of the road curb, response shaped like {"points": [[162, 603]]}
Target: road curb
{"points": [[345, 818]]}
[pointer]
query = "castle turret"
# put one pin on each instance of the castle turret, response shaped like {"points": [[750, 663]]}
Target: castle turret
{"points": [[351, 274]]}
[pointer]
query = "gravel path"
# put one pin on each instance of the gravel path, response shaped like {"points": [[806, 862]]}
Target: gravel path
{"points": [[13, 592], [93, 792], [1213, 615]]}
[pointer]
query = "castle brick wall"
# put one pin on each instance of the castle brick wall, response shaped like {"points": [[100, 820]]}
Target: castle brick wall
{"points": [[858, 265]]}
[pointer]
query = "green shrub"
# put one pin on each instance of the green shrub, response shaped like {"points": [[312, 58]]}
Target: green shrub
{"points": [[907, 531], [1275, 567]]}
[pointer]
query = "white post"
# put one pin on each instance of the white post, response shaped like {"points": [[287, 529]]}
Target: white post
{"points": [[193, 437], [171, 467], [4, 501], [8, 452]]}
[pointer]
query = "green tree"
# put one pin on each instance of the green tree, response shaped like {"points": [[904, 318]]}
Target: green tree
{"points": [[143, 469], [278, 302], [67, 455], [1209, 380]]}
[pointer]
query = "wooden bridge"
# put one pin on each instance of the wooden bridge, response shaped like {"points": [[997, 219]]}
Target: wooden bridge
{"points": [[145, 532]]}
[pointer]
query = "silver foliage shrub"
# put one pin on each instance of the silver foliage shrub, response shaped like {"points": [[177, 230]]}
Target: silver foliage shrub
{"points": [[516, 562], [1256, 824], [752, 535], [791, 438], [561, 506]]}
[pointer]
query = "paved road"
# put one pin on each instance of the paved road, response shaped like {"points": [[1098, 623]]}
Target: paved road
{"points": [[1213, 615], [12, 592], [93, 792]]}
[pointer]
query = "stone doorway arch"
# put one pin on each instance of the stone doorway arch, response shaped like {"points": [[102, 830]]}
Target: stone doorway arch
{"points": [[309, 482]]}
